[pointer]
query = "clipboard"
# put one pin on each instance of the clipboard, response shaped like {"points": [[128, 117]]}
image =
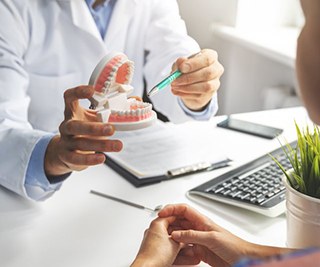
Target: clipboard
{"points": [[167, 151], [133, 179], [171, 174]]}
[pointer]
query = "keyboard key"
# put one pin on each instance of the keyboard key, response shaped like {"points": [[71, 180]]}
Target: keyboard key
{"points": [[245, 196], [270, 194], [234, 194], [260, 200], [218, 190]]}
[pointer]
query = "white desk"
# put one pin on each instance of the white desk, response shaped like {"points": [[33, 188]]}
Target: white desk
{"points": [[75, 228]]}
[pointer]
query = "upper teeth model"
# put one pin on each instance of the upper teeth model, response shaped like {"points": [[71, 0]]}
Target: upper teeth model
{"points": [[111, 79]]}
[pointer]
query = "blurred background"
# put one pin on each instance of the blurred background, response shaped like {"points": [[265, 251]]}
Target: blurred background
{"points": [[256, 43]]}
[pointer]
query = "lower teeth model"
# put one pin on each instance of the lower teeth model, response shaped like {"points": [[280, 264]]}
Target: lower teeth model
{"points": [[111, 80]]}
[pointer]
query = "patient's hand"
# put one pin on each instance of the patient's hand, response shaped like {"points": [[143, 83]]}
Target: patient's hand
{"points": [[157, 248], [207, 241]]}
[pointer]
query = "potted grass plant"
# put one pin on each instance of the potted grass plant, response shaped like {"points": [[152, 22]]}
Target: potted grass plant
{"points": [[302, 183]]}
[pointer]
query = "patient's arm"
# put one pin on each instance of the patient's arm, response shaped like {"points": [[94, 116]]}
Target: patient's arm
{"points": [[308, 59]]}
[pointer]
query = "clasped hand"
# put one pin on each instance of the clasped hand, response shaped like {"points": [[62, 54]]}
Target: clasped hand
{"points": [[183, 236]]}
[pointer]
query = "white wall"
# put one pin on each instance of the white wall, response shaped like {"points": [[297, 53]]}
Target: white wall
{"points": [[200, 14], [248, 78], [247, 74]]}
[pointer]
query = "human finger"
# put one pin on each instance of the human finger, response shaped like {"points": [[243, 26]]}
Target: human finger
{"points": [[186, 212], [180, 224], [162, 222], [194, 89], [204, 59], [187, 256], [77, 161], [194, 237], [76, 127], [205, 74], [71, 97], [88, 144]]}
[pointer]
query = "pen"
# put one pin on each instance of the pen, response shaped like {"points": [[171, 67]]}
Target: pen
{"points": [[157, 208], [164, 83], [198, 167]]}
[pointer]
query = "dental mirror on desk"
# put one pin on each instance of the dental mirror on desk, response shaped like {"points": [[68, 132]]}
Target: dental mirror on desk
{"points": [[156, 209]]}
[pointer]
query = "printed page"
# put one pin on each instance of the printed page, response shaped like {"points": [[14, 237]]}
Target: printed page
{"points": [[163, 147]]}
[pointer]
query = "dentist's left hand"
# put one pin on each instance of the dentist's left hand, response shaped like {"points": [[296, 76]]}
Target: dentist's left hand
{"points": [[200, 79], [81, 136]]}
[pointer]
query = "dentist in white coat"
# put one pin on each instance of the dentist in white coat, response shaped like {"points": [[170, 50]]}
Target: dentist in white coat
{"points": [[48, 46]]}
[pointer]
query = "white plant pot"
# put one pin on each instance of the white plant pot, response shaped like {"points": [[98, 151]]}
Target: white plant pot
{"points": [[303, 218]]}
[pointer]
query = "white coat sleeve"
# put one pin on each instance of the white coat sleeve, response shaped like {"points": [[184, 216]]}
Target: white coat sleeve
{"points": [[166, 40], [17, 137]]}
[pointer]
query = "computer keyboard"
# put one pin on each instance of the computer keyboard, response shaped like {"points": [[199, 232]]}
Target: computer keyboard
{"points": [[255, 186]]}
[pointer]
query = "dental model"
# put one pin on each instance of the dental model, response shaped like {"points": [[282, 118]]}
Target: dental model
{"points": [[111, 80]]}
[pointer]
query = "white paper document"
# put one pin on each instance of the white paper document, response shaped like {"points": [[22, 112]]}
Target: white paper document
{"points": [[163, 147]]}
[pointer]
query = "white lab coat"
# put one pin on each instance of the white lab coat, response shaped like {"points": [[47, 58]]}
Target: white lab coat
{"points": [[48, 46]]}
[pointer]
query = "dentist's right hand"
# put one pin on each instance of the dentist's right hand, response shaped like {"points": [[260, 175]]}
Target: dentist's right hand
{"points": [[81, 137]]}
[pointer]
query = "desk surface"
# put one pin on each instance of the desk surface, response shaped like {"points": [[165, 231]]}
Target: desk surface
{"points": [[75, 228]]}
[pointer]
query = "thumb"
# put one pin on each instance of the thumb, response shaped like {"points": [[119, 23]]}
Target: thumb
{"points": [[192, 237], [71, 97]]}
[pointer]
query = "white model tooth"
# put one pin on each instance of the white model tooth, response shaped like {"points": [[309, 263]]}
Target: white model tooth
{"points": [[114, 69], [113, 112], [138, 112], [127, 112]]}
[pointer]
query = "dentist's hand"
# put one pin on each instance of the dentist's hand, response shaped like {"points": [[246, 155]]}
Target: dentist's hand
{"points": [[81, 136], [200, 79]]}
